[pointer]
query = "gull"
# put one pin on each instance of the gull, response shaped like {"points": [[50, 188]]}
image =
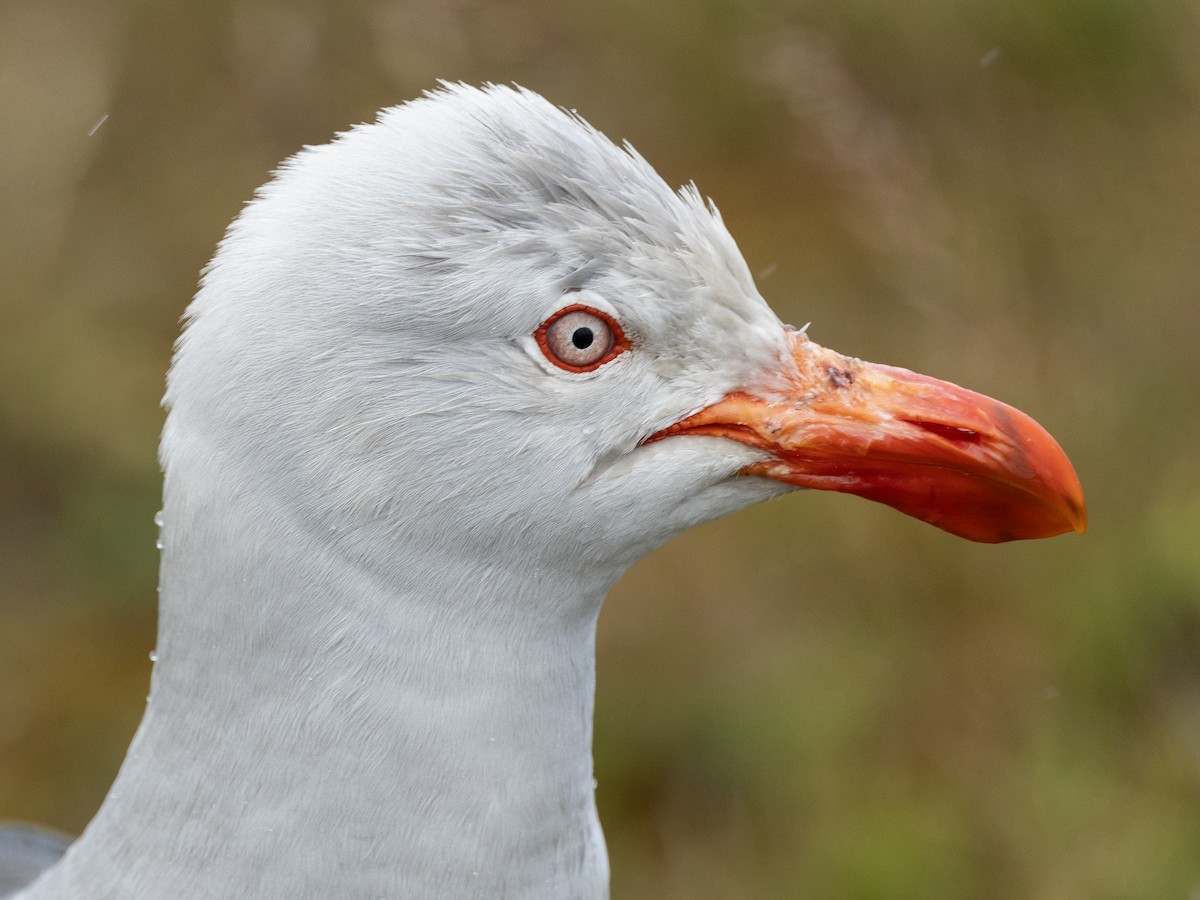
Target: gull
{"points": [[444, 380]]}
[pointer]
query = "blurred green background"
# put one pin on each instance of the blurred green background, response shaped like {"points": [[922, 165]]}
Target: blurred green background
{"points": [[817, 697]]}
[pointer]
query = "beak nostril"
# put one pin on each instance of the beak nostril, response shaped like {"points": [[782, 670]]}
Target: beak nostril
{"points": [[840, 378]]}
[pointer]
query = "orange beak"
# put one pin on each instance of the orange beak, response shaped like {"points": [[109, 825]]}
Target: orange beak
{"points": [[948, 456]]}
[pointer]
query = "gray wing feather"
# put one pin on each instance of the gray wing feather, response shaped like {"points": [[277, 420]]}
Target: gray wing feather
{"points": [[25, 852]]}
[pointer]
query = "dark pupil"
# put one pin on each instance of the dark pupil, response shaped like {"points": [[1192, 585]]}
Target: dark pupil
{"points": [[582, 338]]}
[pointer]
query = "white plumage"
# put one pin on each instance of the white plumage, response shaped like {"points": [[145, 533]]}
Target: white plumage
{"points": [[390, 518]]}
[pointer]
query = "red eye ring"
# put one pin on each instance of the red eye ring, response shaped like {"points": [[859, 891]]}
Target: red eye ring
{"points": [[605, 338]]}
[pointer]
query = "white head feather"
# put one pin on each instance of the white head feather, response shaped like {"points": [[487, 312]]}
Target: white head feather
{"points": [[366, 331]]}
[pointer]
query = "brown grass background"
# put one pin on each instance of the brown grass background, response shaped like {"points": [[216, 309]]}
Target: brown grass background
{"points": [[815, 698]]}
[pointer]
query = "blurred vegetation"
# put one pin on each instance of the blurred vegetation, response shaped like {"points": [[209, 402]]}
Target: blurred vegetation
{"points": [[815, 698]]}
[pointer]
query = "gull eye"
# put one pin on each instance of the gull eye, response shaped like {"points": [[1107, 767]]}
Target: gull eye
{"points": [[580, 339]]}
